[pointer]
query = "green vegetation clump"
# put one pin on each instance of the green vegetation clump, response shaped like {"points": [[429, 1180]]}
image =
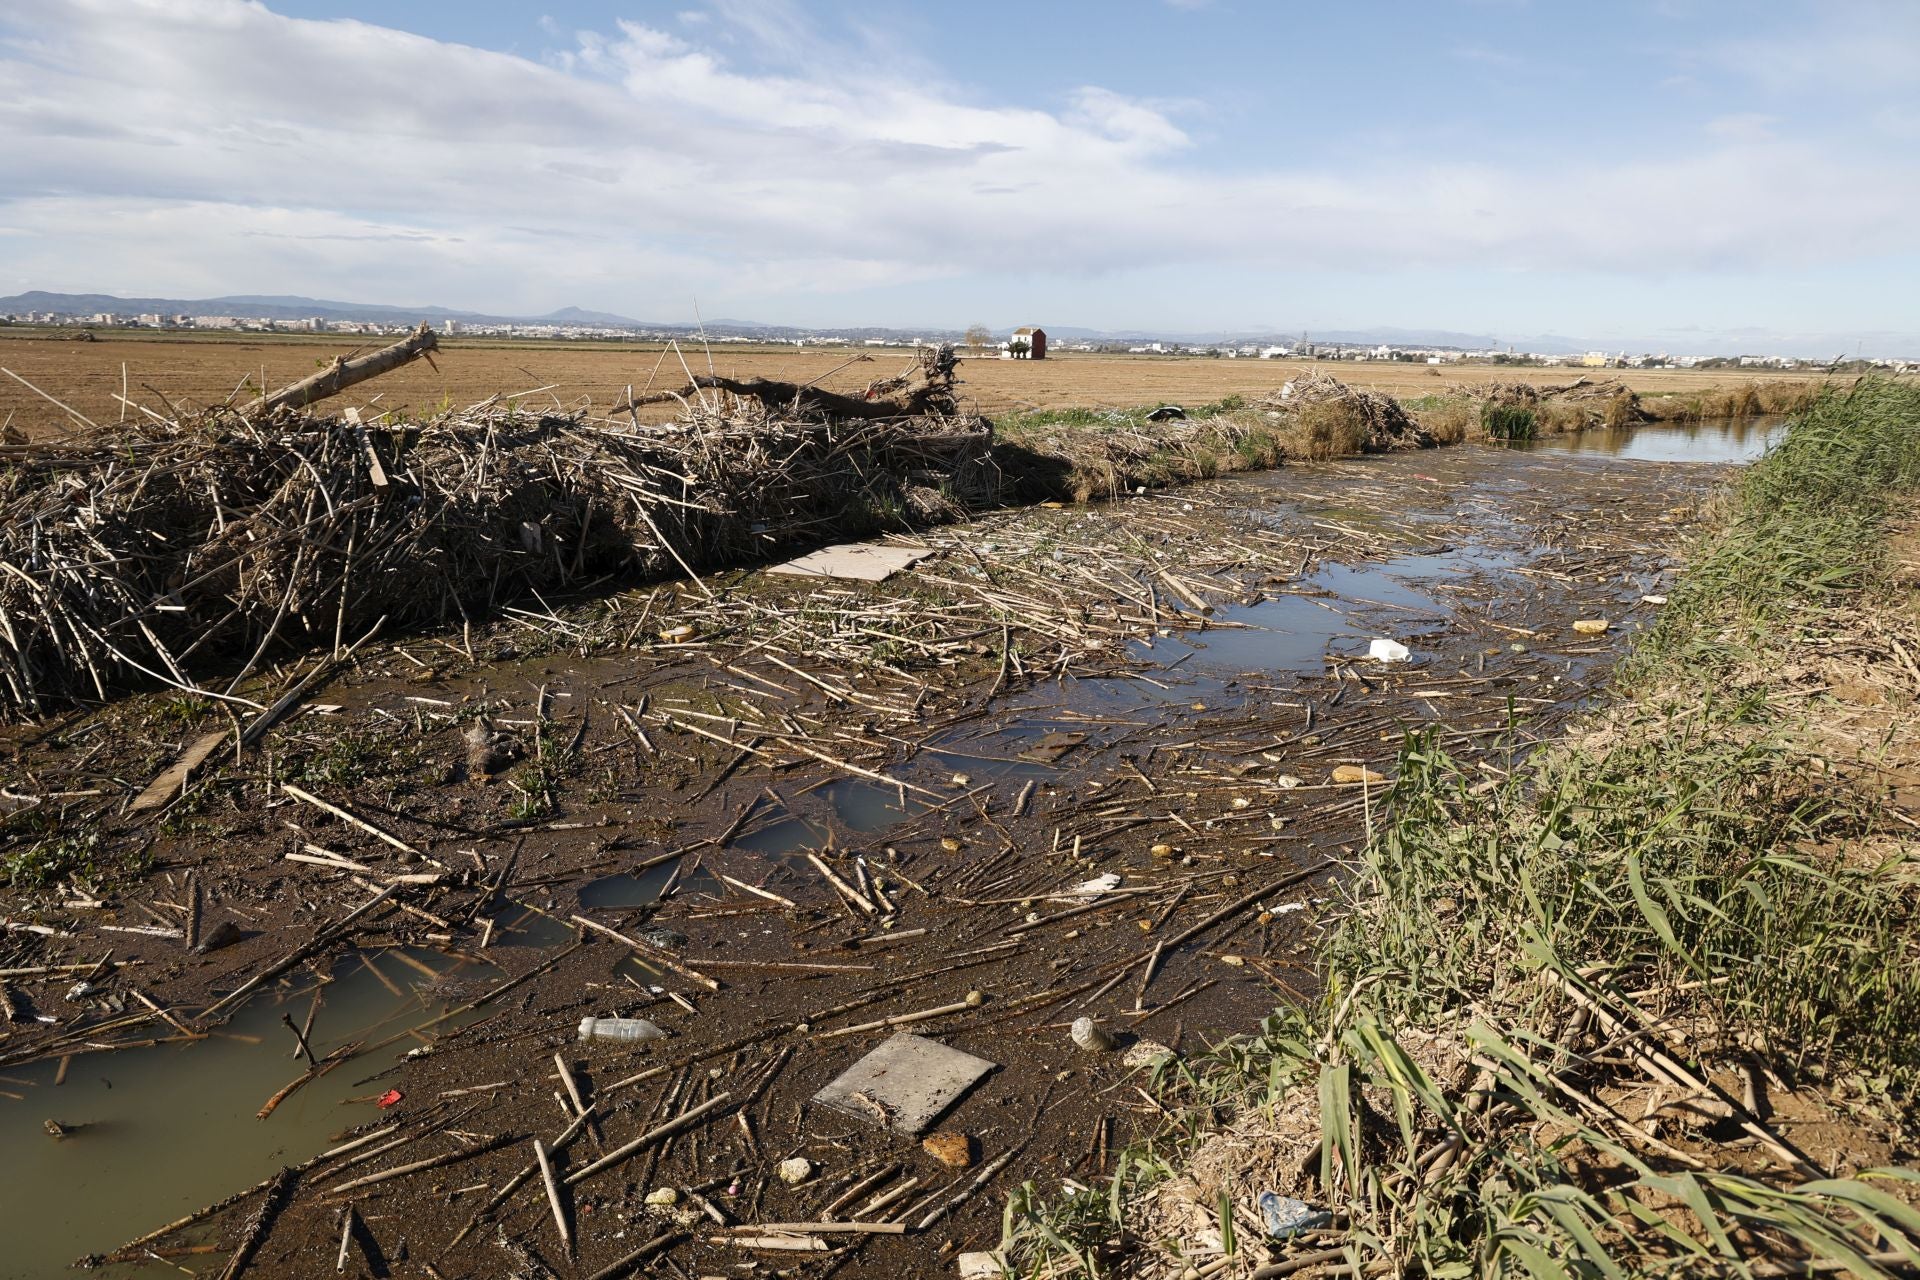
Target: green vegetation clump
{"points": [[1333, 428], [60, 859], [1508, 421]]}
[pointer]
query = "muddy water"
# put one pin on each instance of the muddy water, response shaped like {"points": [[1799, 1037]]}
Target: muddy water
{"points": [[1722, 441], [156, 1133], [161, 1131]]}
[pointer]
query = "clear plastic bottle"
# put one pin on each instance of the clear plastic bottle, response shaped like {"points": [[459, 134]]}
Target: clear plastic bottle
{"points": [[619, 1029]]}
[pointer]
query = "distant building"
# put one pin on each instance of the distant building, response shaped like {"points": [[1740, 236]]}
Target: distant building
{"points": [[1035, 340], [1595, 360]]}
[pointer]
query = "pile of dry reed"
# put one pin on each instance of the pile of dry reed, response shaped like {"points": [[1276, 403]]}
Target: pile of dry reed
{"points": [[211, 545], [1352, 419]]}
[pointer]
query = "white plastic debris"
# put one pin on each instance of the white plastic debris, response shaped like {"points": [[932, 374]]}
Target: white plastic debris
{"points": [[619, 1029], [1384, 650], [1653, 599], [1286, 908], [1090, 888], [1089, 1035]]}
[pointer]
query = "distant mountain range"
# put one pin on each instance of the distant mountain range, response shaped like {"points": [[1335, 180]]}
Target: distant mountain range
{"points": [[277, 307], [280, 307]]}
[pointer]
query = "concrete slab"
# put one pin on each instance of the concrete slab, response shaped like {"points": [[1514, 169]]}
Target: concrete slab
{"points": [[906, 1084], [858, 561]]}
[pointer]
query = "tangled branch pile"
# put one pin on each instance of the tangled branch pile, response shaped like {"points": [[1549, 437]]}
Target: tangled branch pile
{"points": [[1350, 419], [1571, 406], [203, 546]]}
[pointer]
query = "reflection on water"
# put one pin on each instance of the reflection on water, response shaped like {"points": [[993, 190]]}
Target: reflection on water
{"points": [[1343, 607], [161, 1131], [1724, 441]]}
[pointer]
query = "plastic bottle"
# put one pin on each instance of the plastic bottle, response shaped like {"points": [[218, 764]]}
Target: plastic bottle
{"points": [[619, 1029]]}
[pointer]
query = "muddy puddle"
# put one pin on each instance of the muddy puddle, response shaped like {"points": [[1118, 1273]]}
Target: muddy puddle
{"points": [[1214, 739], [155, 1133], [1720, 442]]}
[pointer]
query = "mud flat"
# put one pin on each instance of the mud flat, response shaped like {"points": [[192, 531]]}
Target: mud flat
{"points": [[1105, 761]]}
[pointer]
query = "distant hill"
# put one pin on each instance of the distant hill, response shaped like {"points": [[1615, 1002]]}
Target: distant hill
{"points": [[294, 307], [284, 307]]}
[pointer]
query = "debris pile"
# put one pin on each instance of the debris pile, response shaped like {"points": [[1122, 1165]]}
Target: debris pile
{"points": [[183, 547], [1570, 406], [1377, 422]]}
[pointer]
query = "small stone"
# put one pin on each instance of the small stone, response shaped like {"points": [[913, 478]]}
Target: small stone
{"points": [[1241, 802], [1287, 782], [680, 634], [224, 934], [1356, 773], [795, 1171], [1653, 600], [1161, 851], [1089, 1035], [981, 1265], [1591, 626], [662, 1198], [1238, 962], [949, 844], [1145, 1054], [949, 1148], [976, 998], [1284, 1216]]}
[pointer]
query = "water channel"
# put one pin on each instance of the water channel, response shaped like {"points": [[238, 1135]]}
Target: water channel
{"points": [[153, 1133]]}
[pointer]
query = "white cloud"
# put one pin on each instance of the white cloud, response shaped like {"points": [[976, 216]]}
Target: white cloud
{"points": [[213, 146], [1743, 126]]}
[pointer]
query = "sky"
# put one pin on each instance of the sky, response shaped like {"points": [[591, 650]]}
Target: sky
{"points": [[1684, 175]]}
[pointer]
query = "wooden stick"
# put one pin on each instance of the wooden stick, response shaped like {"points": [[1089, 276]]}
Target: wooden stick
{"points": [[341, 374], [901, 1019], [645, 1251], [349, 818], [826, 1228], [653, 955], [652, 1136], [431, 1162], [326, 935], [979, 1181], [566, 1079], [789, 1244], [262, 1221], [553, 1195], [848, 891]]}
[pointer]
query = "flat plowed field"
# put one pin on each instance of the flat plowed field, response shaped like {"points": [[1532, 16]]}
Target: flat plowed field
{"points": [[192, 372]]}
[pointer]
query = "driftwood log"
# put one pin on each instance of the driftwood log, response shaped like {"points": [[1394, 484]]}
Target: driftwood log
{"points": [[344, 373], [925, 389]]}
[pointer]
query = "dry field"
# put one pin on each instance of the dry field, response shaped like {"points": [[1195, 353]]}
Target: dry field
{"points": [[196, 371]]}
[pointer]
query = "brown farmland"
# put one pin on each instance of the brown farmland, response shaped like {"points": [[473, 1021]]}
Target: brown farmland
{"points": [[199, 371]]}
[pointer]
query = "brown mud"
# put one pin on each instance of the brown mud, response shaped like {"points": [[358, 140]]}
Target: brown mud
{"points": [[843, 804]]}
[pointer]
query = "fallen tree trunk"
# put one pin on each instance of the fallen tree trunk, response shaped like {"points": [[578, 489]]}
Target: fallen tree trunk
{"points": [[926, 388], [342, 373]]}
